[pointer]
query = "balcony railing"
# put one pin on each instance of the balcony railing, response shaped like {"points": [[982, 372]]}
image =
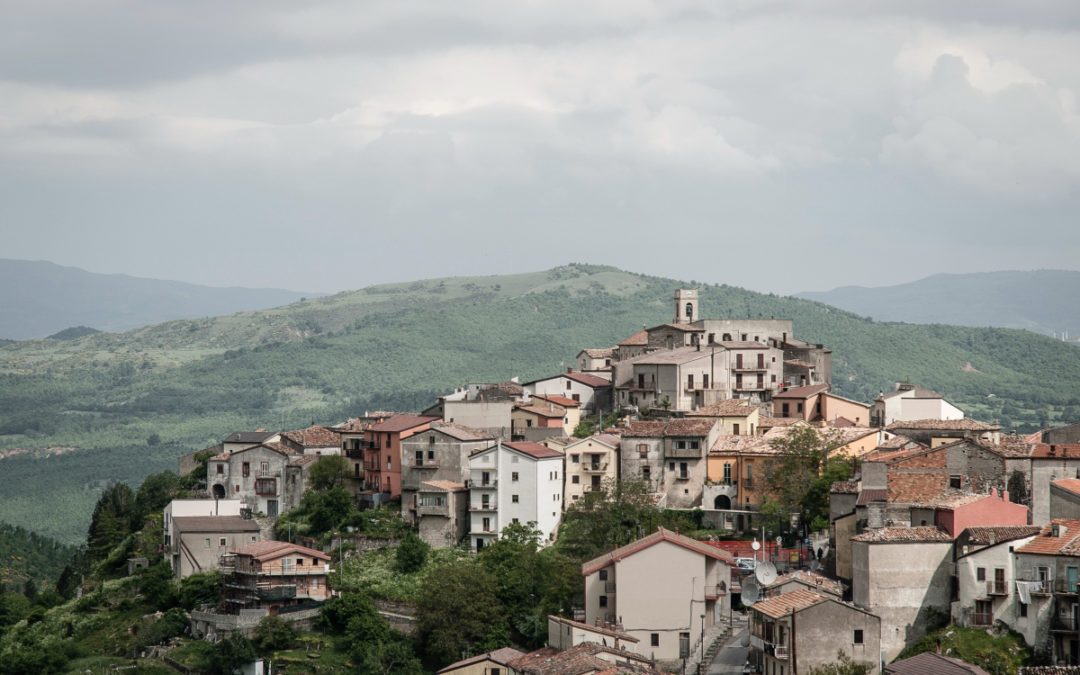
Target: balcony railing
{"points": [[1045, 587], [425, 464], [780, 651], [689, 453], [489, 483], [483, 506], [749, 368], [682, 476], [433, 510], [595, 468], [1063, 624], [997, 588], [354, 453], [609, 586], [750, 386]]}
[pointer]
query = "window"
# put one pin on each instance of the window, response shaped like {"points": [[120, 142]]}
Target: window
{"points": [[603, 575], [671, 466], [206, 543], [857, 637], [575, 480], [980, 574], [1023, 609], [786, 411], [220, 469], [567, 385], [265, 486], [528, 423], [735, 429], [245, 468], [431, 454], [654, 639], [221, 541], [798, 407], [514, 476], [431, 439], [575, 459], [690, 381], [603, 601], [389, 465], [299, 562], [514, 498], [727, 472], [955, 482], [646, 472], [642, 448], [264, 467]]}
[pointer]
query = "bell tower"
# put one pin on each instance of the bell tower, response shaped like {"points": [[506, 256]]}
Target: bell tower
{"points": [[686, 305]]}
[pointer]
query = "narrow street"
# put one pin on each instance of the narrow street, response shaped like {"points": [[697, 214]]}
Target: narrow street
{"points": [[731, 657]]}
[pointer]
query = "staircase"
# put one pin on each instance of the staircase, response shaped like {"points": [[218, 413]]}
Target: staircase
{"points": [[714, 641]]}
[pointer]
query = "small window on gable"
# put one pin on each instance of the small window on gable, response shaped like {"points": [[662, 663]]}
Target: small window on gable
{"points": [[221, 541], [857, 637], [603, 575], [220, 468], [206, 543], [514, 475], [980, 574], [568, 385], [955, 482]]}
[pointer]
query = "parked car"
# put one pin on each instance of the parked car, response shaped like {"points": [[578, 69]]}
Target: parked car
{"points": [[746, 564]]}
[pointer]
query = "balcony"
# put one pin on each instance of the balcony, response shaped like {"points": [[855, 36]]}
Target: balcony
{"points": [[276, 592], [1063, 624], [684, 453], [750, 386], [997, 588], [424, 464], [482, 484], [594, 468], [682, 476], [780, 651], [483, 506], [749, 368], [1045, 587], [354, 453], [433, 510]]}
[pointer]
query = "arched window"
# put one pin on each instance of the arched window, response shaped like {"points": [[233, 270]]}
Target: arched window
{"points": [[689, 311]]}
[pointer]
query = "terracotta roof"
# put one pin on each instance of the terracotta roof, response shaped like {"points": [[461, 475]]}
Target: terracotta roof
{"points": [[559, 400], [931, 663], [269, 550], [304, 460], [661, 534], [580, 659], [682, 426], [897, 442], [867, 496], [783, 605], [645, 429], [274, 447], [966, 424], [352, 425], [534, 450], [252, 437], [812, 579], [728, 444], [904, 535], [314, 437], [593, 629], [1069, 484], [610, 440], [890, 455], [952, 500], [215, 524], [461, 432], [990, 535], [638, 339], [916, 390], [587, 380], [684, 327], [402, 422], [845, 487], [770, 422], [1055, 451], [842, 422], [1048, 670], [670, 356], [729, 407], [802, 392], [599, 353], [1045, 543], [542, 411], [503, 657], [441, 486]]}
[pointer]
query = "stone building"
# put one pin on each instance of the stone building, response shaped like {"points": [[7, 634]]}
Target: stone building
{"points": [[255, 475], [589, 463], [671, 457], [439, 453]]}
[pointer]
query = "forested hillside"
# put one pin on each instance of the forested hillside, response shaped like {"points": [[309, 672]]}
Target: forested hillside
{"points": [[121, 406], [1042, 301], [27, 556]]}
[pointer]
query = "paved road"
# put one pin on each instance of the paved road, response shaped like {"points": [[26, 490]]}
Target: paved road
{"points": [[731, 657]]}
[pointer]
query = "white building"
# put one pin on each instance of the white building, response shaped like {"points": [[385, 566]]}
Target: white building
{"points": [[912, 402], [589, 462], [986, 575], [514, 483]]}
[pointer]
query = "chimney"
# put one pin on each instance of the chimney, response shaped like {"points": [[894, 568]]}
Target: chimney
{"points": [[1004, 495], [569, 369]]}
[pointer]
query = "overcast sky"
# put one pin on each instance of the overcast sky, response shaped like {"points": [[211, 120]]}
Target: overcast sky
{"points": [[321, 146]]}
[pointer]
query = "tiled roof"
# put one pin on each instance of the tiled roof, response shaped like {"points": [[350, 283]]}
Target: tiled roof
{"points": [[802, 392], [461, 432], [966, 424], [252, 437], [1066, 543], [534, 450], [402, 422], [588, 380], [304, 460], [684, 327], [599, 353], [661, 534], [593, 629], [268, 550], [671, 356], [990, 535], [503, 657], [931, 663], [770, 422], [314, 437], [729, 407], [559, 400], [842, 422], [904, 535], [610, 440], [844, 487], [1069, 484], [916, 390], [638, 339], [441, 486], [892, 455], [580, 659], [682, 426], [645, 429], [750, 445], [809, 578], [952, 500], [352, 425], [783, 605], [542, 411], [895, 443], [1055, 451], [867, 496], [1048, 670], [274, 447], [215, 524]]}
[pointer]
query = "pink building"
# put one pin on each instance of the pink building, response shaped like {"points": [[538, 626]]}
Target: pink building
{"points": [[955, 513]]}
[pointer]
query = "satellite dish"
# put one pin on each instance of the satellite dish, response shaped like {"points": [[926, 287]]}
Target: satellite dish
{"points": [[750, 592], [756, 546], [765, 573], [745, 641]]}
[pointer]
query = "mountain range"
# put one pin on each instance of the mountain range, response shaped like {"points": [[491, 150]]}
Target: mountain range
{"points": [[1042, 301], [39, 298], [84, 412]]}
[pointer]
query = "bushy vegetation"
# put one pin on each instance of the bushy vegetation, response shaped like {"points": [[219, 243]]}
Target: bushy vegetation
{"points": [[996, 651]]}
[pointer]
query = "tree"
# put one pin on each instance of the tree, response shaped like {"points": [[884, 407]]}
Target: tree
{"points": [[230, 654], [200, 589], [1017, 487], [354, 613], [411, 553], [109, 520], [154, 494], [604, 519], [156, 585], [798, 480], [328, 509], [457, 609], [388, 657], [328, 473], [273, 633]]}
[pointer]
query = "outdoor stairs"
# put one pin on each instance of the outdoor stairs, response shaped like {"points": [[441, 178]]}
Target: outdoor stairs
{"points": [[714, 641]]}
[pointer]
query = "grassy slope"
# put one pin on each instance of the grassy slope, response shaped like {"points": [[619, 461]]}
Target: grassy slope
{"points": [[191, 382]]}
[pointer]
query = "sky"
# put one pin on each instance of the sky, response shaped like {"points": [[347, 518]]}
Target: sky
{"points": [[782, 146]]}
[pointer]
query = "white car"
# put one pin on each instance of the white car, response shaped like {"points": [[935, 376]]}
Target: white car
{"points": [[746, 564]]}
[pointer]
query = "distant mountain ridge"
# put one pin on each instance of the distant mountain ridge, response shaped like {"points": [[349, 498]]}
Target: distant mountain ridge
{"points": [[1042, 301], [39, 298]]}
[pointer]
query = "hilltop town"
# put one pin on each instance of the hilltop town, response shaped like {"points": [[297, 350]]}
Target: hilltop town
{"points": [[831, 530]]}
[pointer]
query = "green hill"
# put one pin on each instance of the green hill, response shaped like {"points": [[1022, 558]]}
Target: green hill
{"points": [[122, 406], [1042, 301]]}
